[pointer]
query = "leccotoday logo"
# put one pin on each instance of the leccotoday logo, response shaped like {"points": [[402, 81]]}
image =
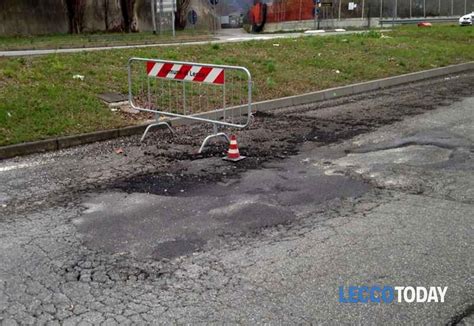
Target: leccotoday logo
{"points": [[389, 294]]}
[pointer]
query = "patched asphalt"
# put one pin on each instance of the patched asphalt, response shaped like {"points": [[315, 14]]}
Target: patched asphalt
{"points": [[148, 225]]}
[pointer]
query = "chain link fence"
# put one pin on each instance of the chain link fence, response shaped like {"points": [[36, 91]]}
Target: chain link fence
{"points": [[286, 10], [419, 8], [400, 8]]}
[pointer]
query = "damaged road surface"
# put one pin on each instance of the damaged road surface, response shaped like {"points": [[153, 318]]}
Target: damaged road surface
{"points": [[369, 190]]}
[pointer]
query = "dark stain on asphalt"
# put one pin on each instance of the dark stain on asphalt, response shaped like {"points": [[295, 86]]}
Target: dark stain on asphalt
{"points": [[175, 223]]}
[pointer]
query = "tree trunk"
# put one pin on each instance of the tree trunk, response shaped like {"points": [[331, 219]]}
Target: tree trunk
{"points": [[106, 15], [182, 7], [70, 15], [75, 12], [127, 7]]}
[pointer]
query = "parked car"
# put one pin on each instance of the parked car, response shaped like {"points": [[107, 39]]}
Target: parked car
{"points": [[466, 20]]}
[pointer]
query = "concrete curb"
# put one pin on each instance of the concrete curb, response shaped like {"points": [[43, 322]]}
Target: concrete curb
{"points": [[69, 141]]}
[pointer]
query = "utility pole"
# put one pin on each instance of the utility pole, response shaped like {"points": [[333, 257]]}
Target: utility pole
{"points": [[424, 8], [301, 8], [153, 14], [381, 12], [215, 17], [339, 11], [161, 16], [173, 18], [369, 13], [395, 13], [381, 9]]}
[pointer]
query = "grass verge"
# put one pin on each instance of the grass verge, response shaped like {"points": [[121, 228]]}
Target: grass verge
{"points": [[62, 41], [40, 99]]}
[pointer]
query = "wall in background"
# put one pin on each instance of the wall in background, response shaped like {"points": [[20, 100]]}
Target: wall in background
{"points": [[19, 17], [36, 17]]}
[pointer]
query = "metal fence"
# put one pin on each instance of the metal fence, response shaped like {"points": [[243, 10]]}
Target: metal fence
{"points": [[287, 10], [421, 8], [217, 94]]}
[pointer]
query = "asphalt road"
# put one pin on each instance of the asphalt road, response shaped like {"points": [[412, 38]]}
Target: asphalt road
{"points": [[375, 189]]}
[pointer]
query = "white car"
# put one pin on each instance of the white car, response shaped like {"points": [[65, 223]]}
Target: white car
{"points": [[466, 20]]}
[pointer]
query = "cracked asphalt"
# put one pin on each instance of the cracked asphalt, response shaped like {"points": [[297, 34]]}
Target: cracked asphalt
{"points": [[374, 189]]}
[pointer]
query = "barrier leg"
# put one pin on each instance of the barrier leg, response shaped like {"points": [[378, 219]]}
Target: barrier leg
{"points": [[155, 125], [214, 135], [206, 140]]}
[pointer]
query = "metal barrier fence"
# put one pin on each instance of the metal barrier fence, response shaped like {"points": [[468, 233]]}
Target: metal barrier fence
{"points": [[297, 10], [422, 8], [217, 94]]}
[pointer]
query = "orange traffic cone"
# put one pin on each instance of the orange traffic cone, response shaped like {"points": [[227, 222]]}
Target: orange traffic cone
{"points": [[233, 153]]}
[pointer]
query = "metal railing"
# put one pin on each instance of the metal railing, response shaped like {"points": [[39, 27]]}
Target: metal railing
{"points": [[422, 8], [288, 10], [217, 94]]}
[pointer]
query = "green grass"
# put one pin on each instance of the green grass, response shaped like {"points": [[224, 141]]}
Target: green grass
{"points": [[60, 41], [40, 99]]}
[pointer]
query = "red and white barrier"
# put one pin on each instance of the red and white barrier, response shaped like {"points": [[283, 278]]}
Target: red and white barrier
{"points": [[164, 88], [199, 74]]}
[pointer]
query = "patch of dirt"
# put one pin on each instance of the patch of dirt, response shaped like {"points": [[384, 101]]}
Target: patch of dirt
{"points": [[279, 134]]}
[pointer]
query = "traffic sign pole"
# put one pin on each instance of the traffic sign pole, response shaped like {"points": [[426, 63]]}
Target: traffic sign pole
{"points": [[167, 7], [161, 14], [214, 18], [192, 18], [153, 15], [173, 18], [317, 13]]}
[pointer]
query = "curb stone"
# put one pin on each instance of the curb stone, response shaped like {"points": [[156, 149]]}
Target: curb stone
{"points": [[332, 93]]}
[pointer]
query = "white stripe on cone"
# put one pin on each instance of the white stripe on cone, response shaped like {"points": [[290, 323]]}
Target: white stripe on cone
{"points": [[233, 151]]}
